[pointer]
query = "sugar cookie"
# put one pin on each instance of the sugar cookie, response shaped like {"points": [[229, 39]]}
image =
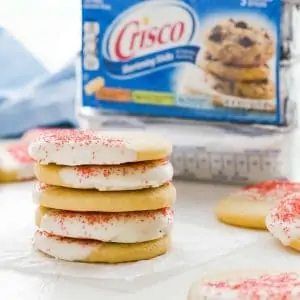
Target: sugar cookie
{"points": [[249, 206], [131, 176], [254, 285], [98, 252], [124, 227], [283, 221], [15, 163], [93, 200], [79, 147], [234, 73]]}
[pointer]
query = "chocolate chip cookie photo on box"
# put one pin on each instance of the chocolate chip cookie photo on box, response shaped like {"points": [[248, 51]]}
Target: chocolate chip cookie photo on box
{"points": [[239, 42]]}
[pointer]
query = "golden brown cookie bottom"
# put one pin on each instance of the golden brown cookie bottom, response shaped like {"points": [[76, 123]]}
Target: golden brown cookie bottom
{"points": [[97, 252], [93, 200], [295, 245], [259, 90], [236, 73]]}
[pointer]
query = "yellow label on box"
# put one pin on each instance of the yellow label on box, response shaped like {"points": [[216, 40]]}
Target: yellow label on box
{"points": [[153, 98]]}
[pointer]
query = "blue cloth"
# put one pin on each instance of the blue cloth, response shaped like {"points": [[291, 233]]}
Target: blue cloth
{"points": [[29, 96]]}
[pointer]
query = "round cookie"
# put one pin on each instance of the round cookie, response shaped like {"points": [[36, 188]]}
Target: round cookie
{"points": [[120, 227], [98, 252], [93, 200], [238, 42], [131, 176], [249, 206], [234, 73], [15, 163], [259, 90], [82, 147], [283, 221], [242, 285]]}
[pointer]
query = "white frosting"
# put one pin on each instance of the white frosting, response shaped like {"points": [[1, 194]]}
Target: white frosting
{"points": [[286, 288], [79, 147], [285, 230], [63, 248], [9, 163], [134, 227], [75, 147], [117, 178]]}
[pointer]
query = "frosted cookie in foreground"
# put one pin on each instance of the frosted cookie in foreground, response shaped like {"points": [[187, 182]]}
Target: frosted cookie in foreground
{"points": [[283, 221], [130, 176], [93, 251], [249, 206], [15, 163], [81, 147], [258, 285], [117, 227], [94, 201]]}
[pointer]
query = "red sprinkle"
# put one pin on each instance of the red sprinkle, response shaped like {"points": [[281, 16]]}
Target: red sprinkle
{"points": [[79, 137], [106, 218], [20, 153], [270, 190], [118, 170], [288, 209], [263, 287]]}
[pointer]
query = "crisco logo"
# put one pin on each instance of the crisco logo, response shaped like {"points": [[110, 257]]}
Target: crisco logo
{"points": [[147, 28]]}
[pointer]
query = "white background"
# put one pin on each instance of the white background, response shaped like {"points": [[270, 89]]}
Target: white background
{"points": [[49, 29]]}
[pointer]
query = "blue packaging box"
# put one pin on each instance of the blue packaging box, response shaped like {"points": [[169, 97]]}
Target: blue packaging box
{"points": [[206, 59]]}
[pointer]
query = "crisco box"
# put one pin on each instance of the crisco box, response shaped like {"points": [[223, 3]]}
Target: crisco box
{"points": [[215, 61]]}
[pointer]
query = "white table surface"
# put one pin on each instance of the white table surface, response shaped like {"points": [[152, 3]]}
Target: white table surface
{"points": [[60, 22], [195, 204]]}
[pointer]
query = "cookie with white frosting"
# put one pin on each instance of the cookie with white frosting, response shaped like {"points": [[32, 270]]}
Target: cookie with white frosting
{"points": [[246, 285], [81, 147], [283, 221], [131, 176], [249, 206], [118, 227], [95, 201], [15, 163], [85, 250]]}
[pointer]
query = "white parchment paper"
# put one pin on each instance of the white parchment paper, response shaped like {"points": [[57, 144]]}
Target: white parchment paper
{"points": [[192, 245]]}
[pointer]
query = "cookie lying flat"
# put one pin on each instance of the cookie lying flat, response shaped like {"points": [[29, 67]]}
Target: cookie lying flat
{"points": [[248, 285], [79, 147], [124, 227], [250, 206], [240, 42], [131, 176], [264, 89], [15, 163], [283, 221], [98, 252], [234, 73], [93, 200]]}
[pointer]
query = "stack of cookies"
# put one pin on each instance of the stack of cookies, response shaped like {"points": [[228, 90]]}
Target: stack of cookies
{"points": [[103, 197], [236, 60]]}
